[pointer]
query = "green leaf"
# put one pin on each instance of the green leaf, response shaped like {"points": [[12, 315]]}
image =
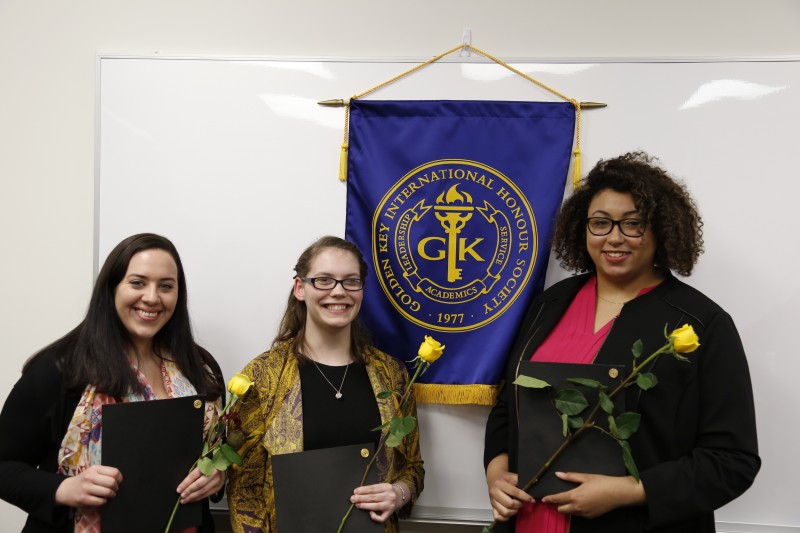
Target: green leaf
{"points": [[219, 461], [564, 425], [612, 425], [646, 381], [627, 424], [205, 466], [591, 383], [402, 425], [637, 349], [530, 383], [571, 402], [399, 427], [382, 426], [574, 422], [393, 440], [409, 423], [679, 357], [386, 394], [627, 459], [205, 448], [606, 403], [231, 454]]}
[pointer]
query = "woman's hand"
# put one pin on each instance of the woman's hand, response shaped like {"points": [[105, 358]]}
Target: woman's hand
{"points": [[596, 495], [506, 498], [92, 487], [380, 500], [196, 486]]}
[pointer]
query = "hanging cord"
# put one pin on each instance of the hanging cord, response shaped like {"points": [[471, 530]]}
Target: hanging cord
{"points": [[576, 172], [576, 165], [345, 144]]}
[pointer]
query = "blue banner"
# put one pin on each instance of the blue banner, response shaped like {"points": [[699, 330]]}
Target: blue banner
{"points": [[453, 204]]}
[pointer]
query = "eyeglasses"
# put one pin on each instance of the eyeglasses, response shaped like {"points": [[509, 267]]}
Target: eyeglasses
{"points": [[630, 227], [328, 284]]}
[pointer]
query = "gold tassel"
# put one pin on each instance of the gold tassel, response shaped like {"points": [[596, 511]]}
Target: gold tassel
{"points": [[576, 170], [343, 163]]}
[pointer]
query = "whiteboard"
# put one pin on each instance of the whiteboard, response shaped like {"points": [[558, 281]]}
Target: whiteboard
{"points": [[235, 162]]}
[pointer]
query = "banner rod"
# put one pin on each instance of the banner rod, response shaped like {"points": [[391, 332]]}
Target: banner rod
{"points": [[341, 103]]}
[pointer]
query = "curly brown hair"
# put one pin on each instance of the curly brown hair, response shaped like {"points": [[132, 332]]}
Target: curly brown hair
{"points": [[661, 200]]}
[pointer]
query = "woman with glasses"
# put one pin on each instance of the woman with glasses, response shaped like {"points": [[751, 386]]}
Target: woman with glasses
{"points": [[316, 388], [627, 229]]}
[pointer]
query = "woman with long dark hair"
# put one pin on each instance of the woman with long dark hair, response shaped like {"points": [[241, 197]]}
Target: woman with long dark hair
{"points": [[134, 344]]}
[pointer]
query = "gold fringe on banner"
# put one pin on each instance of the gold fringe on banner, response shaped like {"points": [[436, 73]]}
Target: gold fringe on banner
{"points": [[456, 394], [576, 172]]}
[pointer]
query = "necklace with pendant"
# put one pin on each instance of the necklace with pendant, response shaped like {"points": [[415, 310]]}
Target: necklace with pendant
{"points": [[338, 394]]}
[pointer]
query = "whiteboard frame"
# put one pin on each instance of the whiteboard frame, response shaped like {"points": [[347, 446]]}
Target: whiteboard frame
{"points": [[423, 514]]}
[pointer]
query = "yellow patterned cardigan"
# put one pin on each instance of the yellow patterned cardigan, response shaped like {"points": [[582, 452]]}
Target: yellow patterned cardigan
{"points": [[273, 407]]}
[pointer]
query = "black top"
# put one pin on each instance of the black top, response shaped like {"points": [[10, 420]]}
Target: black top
{"points": [[329, 422], [33, 421]]}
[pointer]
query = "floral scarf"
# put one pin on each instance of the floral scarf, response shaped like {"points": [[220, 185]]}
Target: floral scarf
{"points": [[82, 443]]}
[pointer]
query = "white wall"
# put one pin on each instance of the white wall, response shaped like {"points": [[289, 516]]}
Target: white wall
{"points": [[48, 50]]}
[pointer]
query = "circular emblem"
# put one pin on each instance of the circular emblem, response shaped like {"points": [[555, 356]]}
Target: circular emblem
{"points": [[455, 243]]}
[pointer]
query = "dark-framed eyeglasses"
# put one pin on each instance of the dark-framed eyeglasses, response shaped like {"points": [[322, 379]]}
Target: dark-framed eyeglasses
{"points": [[325, 283], [630, 227]]}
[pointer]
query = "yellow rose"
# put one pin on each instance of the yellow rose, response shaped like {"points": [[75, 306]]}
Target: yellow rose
{"points": [[239, 385], [430, 350], [684, 339]]}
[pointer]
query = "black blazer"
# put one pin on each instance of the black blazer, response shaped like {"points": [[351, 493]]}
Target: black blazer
{"points": [[696, 448], [33, 422]]}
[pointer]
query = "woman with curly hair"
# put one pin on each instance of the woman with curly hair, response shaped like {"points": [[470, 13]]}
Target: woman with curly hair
{"points": [[316, 387], [626, 230]]}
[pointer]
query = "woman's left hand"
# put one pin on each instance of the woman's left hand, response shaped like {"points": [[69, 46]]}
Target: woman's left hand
{"points": [[596, 495], [380, 500], [196, 486]]}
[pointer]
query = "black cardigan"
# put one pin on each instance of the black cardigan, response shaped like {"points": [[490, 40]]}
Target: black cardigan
{"points": [[696, 448], [32, 425]]}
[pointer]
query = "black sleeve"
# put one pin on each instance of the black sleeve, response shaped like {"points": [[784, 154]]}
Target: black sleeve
{"points": [[31, 429], [723, 459], [496, 438], [501, 435]]}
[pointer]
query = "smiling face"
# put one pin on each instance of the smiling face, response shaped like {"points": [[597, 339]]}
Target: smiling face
{"points": [[334, 309], [619, 259], [146, 297]]}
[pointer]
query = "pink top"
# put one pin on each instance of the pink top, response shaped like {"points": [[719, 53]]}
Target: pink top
{"points": [[573, 340]]}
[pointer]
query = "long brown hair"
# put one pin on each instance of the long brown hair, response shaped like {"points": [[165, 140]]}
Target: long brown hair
{"points": [[293, 323], [95, 352]]}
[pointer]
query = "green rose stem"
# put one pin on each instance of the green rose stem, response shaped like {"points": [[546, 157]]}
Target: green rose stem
{"points": [[215, 435], [668, 347], [403, 401]]}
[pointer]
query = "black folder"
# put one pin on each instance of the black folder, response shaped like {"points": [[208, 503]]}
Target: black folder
{"points": [[153, 444], [541, 433], [313, 489]]}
